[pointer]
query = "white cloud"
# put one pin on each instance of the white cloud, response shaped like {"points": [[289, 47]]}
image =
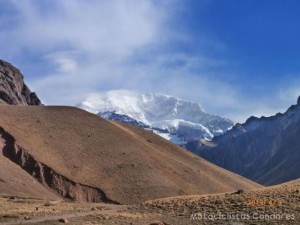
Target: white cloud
{"points": [[66, 65], [107, 28], [90, 40], [290, 93], [99, 45], [65, 62]]}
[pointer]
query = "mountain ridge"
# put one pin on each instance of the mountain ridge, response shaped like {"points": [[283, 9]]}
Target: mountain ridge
{"points": [[264, 149]]}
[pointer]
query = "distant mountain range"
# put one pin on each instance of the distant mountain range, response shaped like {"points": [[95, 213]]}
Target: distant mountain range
{"points": [[174, 119], [266, 149]]}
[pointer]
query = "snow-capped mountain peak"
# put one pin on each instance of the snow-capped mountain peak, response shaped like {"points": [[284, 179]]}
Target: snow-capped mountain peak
{"points": [[120, 101], [158, 106], [168, 116]]}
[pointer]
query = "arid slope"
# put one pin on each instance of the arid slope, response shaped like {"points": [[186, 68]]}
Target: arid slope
{"points": [[16, 182], [126, 164], [277, 205]]}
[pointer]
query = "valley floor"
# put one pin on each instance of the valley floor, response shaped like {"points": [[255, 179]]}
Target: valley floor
{"points": [[274, 205]]}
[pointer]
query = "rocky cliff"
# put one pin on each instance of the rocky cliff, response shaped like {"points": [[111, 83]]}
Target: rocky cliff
{"points": [[13, 90]]}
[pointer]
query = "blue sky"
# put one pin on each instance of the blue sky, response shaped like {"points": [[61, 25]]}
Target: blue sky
{"points": [[236, 58]]}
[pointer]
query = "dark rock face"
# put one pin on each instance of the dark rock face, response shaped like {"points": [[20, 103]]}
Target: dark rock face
{"points": [[13, 90], [266, 149], [123, 119]]}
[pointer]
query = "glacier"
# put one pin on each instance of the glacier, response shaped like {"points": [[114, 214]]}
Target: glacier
{"points": [[174, 119]]}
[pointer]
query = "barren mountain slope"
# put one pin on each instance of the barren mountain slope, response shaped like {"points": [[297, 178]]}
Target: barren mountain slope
{"points": [[14, 181], [84, 157]]}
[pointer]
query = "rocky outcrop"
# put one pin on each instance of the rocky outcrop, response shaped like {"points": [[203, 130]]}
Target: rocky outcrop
{"points": [[13, 90], [266, 149]]}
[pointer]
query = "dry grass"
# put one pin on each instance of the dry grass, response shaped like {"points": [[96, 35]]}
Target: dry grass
{"points": [[172, 211], [282, 200]]}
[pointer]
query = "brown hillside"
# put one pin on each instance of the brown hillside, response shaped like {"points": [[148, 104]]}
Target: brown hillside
{"points": [[14, 181], [84, 157]]}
